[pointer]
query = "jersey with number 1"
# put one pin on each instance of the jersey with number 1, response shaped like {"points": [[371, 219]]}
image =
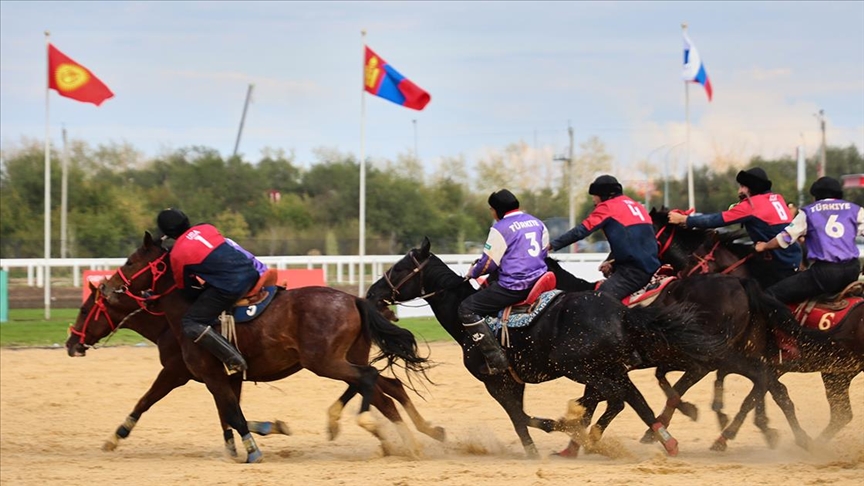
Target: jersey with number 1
{"points": [[516, 247], [829, 227]]}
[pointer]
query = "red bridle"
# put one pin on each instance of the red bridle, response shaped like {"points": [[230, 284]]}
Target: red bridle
{"points": [[157, 268], [95, 313]]}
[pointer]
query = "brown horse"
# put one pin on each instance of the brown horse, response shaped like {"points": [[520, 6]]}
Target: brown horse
{"points": [[324, 330], [96, 321], [694, 252]]}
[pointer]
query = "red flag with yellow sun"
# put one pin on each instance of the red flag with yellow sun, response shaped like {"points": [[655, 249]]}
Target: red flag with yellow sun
{"points": [[73, 80]]}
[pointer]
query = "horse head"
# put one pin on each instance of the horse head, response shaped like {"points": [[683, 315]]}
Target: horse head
{"points": [[144, 277], [403, 281], [92, 324]]}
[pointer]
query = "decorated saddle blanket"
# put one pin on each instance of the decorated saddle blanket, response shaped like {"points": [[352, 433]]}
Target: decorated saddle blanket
{"points": [[523, 316], [824, 315], [246, 313]]}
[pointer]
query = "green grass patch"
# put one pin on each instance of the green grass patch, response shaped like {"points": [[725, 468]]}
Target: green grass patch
{"points": [[28, 328]]}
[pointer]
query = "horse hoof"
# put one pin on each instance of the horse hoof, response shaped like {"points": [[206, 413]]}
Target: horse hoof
{"points": [[772, 437], [719, 445], [280, 427], [671, 446], [439, 434], [569, 452], [254, 457], [805, 442], [648, 438], [260, 428], [689, 410], [111, 444]]}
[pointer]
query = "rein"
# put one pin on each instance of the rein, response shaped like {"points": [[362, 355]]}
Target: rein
{"points": [[394, 289], [704, 261], [157, 268]]}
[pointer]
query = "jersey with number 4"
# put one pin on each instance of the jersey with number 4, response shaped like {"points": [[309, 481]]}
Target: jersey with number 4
{"points": [[763, 216], [829, 227], [627, 228], [516, 247]]}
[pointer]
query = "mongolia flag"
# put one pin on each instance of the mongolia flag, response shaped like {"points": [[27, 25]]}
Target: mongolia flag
{"points": [[694, 70], [73, 80], [380, 79]]}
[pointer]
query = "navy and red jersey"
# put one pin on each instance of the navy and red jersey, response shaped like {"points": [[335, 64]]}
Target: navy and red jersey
{"points": [[627, 228], [203, 252], [763, 216]]}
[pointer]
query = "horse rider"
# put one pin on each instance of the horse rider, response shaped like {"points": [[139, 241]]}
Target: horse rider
{"points": [[516, 249], [829, 227], [763, 214], [202, 256], [630, 232]]}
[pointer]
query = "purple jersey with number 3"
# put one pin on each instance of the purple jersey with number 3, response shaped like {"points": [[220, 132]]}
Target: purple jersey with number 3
{"points": [[516, 247], [829, 227]]}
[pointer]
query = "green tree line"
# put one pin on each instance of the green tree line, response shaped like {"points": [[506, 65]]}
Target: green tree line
{"points": [[277, 206]]}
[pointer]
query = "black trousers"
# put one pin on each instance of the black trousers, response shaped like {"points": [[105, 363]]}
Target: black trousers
{"points": [[768, 272], [624, 281], [488, 302], [820, 278], [206, 308]]}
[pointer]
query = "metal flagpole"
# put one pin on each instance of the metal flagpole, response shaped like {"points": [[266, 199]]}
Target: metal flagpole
{"points": [[690, 192], [64, 196], [47, 267], [362, 238], [243, 119]]}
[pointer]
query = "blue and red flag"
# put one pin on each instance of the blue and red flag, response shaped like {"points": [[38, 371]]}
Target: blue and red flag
{"points": [[694, 69], [380, 79]]}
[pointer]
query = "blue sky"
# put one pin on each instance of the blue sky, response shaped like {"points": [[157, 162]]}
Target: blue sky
{"points": [[498, 73]]}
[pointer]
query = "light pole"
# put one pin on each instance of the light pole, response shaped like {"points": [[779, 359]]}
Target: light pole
{"points": [[568, 181], [666, 174], [647, 180], [821, 117]]}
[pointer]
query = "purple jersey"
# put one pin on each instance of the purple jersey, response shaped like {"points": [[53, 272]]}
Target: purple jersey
{"points": [[829, 227], [259, 266], [516, 247]]}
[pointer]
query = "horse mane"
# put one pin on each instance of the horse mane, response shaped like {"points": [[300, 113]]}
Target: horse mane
{"points": [[440, 274]]}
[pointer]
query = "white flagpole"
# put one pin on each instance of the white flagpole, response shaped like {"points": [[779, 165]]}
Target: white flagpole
{"points": [[362, 239], [47, 267], [690, 192], [64, 196]]}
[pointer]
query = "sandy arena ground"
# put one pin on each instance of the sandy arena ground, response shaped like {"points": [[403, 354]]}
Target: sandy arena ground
{"points": [[56, 412]]}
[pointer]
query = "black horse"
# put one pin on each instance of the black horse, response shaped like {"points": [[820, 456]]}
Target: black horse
{"points": [[838, 354], [735, 310], [583, 336]]}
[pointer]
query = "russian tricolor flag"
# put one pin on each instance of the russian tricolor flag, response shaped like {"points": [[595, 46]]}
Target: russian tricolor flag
{"points": [[694, 70]]}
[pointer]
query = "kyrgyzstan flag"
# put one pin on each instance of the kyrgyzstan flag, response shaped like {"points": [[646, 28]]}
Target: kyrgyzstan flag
{"points": [[73, 80]]}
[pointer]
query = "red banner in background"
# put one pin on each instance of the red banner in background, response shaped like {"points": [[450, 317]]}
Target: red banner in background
{"points": [[95, 277], [296, 278]]}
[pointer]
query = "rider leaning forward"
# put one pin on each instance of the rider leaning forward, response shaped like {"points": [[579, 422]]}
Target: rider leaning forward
{"points": [[763, 214]]}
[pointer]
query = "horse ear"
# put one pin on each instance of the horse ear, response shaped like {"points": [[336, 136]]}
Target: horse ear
{"points": [[424, 247], [148, 239]]}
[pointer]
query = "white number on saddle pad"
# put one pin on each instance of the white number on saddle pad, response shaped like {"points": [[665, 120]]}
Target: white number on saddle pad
{"points": [[534, 250], [251, 310], [834, 228], [781, 210]]}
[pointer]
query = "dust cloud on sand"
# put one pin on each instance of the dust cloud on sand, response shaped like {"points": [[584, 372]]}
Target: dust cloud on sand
{"points": [[56, 412]]}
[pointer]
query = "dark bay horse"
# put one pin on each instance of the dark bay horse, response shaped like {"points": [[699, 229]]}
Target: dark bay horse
{"points": [[95, 321], [694, 251], [324, 330], [734, 310], [581, 335]]}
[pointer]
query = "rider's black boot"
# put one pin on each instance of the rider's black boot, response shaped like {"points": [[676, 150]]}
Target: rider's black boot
{"points": [[222, 349], [496, 359]]}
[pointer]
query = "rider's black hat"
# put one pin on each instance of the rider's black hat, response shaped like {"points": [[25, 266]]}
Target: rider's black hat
{"points": [[826, 188], [605, 186], [503, 202], [755, 179], [172, 223]]}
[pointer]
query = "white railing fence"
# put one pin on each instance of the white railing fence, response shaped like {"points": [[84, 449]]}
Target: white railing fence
{"points": [[338, 269]]}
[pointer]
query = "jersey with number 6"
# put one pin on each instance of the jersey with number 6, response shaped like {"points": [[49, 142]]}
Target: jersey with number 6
{"points": [[829, 227], [516, 247], [763, 216], [627, 228]]}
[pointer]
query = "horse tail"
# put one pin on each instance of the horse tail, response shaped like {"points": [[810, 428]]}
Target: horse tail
{"points": [[680, 326], [395, 343]]}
